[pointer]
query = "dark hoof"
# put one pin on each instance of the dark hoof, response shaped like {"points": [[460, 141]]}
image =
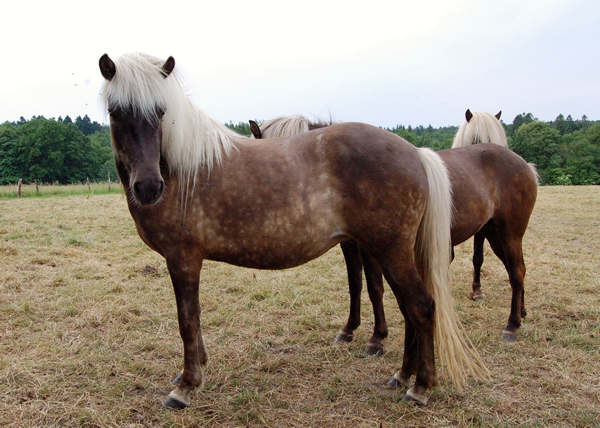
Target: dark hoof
{"points": [[509, 336], [413, 397], [177, 379], [376, 350], [173, 403], [343, 337]]}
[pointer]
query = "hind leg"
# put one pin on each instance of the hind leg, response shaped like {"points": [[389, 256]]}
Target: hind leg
{"points": [[375, 287], [478, 240], [409, 360], [418, 307], [509, 250], [354, 266]]}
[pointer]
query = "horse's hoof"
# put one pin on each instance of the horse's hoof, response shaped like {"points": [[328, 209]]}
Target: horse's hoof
{"points": [[414, 397], [509, 336], [376, 350], [177, 379], [477, 296], [175, 401], [395, 383], [343, 337]]}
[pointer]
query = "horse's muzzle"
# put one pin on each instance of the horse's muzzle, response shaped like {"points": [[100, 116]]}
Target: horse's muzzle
{"points": [[148, 191]]}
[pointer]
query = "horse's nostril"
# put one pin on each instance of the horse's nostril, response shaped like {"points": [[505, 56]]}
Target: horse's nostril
{"points": [[137, 187]]}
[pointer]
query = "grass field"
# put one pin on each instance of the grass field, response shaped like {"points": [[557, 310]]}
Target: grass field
{"points": [[46, 190], [89, 337]]}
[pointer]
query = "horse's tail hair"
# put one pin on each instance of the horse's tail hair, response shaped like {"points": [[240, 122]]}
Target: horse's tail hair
{"points": [[456, 353], [533, 168]]}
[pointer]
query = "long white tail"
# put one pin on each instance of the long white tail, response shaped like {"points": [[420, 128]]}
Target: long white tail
{"points": [[455, 351]]}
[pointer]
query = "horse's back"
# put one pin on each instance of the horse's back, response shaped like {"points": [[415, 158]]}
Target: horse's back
{"points": [[369, 170], [490, 182]]}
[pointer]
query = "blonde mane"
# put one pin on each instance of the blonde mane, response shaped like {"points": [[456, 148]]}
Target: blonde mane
{"points": [[288, 126], [191, 140], [482, 128]]}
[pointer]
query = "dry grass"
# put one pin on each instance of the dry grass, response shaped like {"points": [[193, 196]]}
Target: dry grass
{"points": [[88, 330]]}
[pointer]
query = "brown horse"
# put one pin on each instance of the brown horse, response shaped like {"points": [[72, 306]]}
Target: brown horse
{"points": [[493, 197], [197, 191]]}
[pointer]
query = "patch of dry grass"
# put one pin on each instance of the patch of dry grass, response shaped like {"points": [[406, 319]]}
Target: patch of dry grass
{"points": [[88, 330]]}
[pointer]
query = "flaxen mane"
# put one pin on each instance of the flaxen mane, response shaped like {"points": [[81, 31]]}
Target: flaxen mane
{"points": [[288, 126], [191, 140], [482, 127]]}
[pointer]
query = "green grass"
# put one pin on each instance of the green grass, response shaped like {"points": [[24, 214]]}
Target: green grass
{"points": [[89, 335], [50, 190]]}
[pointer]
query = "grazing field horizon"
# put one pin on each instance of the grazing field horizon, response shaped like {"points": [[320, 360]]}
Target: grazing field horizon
{"points": [[89, 334]]}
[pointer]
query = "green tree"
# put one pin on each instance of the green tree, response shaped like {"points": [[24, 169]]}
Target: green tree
{"points": [[10, 169], [538, 142], [520, 119], [583, 156], [242, 128], [103, 159]]}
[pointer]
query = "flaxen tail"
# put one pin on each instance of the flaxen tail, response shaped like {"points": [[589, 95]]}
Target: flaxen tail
{"points": [[455, 351]]}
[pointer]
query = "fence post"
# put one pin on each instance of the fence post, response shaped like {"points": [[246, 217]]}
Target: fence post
{"points": [[37, 187], [108, 173], [87, 181], [19, 184]]}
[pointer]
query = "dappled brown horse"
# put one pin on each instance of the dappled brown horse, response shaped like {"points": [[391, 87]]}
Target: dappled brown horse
{"points": [[494, 191], [197, 191]]}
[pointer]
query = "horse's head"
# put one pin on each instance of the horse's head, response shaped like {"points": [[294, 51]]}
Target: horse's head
{"points": [[469, 115], [135, 125]]}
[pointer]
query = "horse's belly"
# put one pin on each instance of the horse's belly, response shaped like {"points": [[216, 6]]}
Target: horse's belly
{"points": [[285, 252], [276, 240]]}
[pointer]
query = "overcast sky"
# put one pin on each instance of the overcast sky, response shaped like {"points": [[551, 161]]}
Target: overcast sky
{"points": [[385, 63]]}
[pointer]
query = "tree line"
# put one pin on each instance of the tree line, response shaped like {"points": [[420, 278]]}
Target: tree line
{"points": [[55, 151], [566, 151]]}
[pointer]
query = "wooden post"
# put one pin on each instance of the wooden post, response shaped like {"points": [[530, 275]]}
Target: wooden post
{"points": [[19, 184], [108, 174], [37, 187], [87, 180]]}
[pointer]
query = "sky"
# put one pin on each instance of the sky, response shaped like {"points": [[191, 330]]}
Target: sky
{"points": [[380, 62]]}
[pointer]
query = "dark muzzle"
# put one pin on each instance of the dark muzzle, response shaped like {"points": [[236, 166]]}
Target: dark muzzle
{"points": [[148, 191]]}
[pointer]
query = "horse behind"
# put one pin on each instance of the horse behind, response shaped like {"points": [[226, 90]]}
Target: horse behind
{"points": [[480, 127], [197, 191], [494, 191]]}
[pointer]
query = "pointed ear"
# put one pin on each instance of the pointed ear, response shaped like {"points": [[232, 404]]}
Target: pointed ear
{"points": [[468, 115], [107, 67], [255, 129], [498, 115], [168, 66]]}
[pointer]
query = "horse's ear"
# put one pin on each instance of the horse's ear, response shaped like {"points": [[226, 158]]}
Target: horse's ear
{"points": [[498, 115], [255, 129], [168, 66], [107, 67], [468, 115]]}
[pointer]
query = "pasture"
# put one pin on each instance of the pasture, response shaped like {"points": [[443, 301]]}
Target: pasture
{"points": [[45, 190], [89, 335]]}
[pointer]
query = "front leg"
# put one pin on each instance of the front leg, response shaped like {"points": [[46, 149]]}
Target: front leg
{"points": [[185, 278], [354, 267]]}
